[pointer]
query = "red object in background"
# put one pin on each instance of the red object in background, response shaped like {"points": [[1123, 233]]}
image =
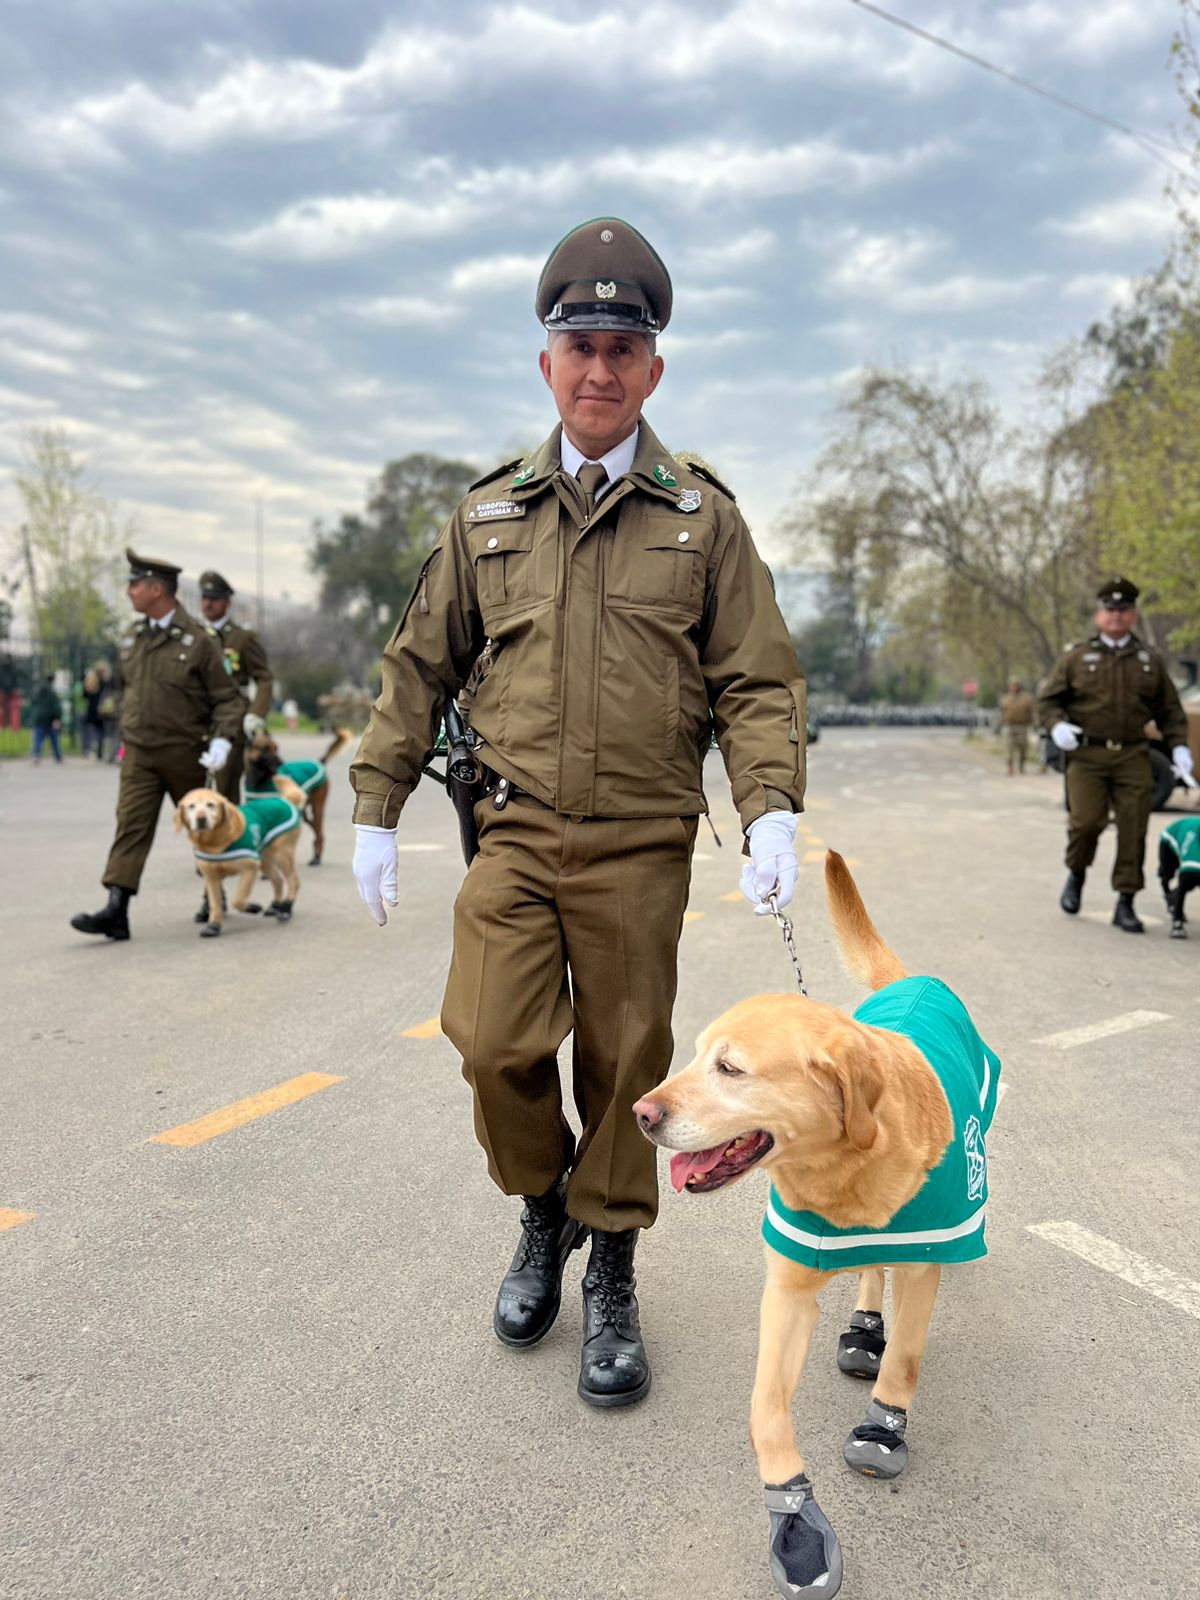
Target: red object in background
{"points": [[970, 688]]}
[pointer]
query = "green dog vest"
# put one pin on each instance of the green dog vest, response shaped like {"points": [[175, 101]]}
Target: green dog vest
{"points": [[263, 821], [944, 1221], [306, 775], [1183, 837]]}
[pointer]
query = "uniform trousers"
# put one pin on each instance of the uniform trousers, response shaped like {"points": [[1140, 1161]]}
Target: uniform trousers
{"points": [[1016, 744], [569, 925], [229, 780], [146, 775], [1098, 779]]}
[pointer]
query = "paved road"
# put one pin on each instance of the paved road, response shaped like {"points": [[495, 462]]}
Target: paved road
{"points": [[262, 1365]]}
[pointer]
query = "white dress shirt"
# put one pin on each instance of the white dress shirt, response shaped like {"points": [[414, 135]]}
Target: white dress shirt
{"points": [[616, 463]]}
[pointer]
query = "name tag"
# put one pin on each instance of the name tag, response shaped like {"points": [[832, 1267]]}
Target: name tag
{"points": [[489, 509]]}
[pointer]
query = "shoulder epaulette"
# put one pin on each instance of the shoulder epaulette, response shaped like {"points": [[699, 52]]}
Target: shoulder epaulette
{"points": [[495, 472], [703, 470]]}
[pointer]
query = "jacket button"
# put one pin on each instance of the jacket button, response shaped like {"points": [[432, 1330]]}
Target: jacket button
{"points": [[492, 543], [683, 537]]}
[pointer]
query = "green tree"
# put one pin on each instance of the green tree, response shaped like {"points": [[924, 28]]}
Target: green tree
{"points": [[73, 540], [370, 561]]}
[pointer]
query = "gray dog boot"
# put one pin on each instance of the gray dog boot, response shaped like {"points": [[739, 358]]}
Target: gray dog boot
{"points": [[861, 1348], [876, 1448], [805, 1556]]}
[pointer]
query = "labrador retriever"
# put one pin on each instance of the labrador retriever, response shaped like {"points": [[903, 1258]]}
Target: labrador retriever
{"points": [[241, 841]]}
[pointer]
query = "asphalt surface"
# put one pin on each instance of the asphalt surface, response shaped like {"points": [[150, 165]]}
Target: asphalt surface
{"points": [[262, 1365]]}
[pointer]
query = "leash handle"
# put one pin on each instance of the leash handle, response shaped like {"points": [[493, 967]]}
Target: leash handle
{"points": [[785, 927]]}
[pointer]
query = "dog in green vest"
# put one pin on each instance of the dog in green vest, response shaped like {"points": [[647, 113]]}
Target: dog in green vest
{"points": [[872, 1127], [239, 842], [1179, 868]]}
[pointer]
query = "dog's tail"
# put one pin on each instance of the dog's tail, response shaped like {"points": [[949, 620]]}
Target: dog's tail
{"points": [[863, 951], [341, 736]]}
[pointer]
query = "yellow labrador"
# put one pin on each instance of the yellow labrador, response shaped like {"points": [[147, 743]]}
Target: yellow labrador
{"points": [[240, 842], [871, 1127]]}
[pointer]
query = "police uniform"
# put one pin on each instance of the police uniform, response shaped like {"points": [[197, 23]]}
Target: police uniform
{"points": [[596, 630], [1016, 716], [246, 663], [176, 697], [1111, 692]]}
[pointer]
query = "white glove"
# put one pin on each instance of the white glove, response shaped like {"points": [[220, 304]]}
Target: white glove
{"points": [[772, 867], [217, 754], [1181, 760], [1066, 735], [375, 868], [251, 723]]}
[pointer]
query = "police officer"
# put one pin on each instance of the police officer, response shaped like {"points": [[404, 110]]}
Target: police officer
{"points": [[246, 663], [1016, 715], [1096, 703], [598, 608], [180, 716]]}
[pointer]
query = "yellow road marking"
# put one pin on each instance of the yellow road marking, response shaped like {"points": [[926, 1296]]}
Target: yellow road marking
{"points": [[733, 896], [14, 1219], [814, 855], [691, 916], [429, 1029], [243, 1111]]}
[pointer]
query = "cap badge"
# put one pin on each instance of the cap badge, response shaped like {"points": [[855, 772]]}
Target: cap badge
{"points": [[524, 475], [689, 500], [666, 477], [606, 236], [606, 291]]}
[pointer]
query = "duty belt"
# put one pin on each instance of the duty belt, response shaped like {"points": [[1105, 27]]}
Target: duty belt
{"points": [[1112, 744]]}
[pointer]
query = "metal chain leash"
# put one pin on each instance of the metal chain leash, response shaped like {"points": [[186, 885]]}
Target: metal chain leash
{"points": [[785, 925]]}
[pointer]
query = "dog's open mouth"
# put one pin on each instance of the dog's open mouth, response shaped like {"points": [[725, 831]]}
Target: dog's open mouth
{"points": [[699, 1171]]}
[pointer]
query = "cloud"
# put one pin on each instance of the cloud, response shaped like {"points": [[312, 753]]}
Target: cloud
{"points": [[1144, 217], [899, 272]]}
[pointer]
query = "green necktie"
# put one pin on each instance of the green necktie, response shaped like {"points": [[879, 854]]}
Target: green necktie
{"points": [[593, 475]]}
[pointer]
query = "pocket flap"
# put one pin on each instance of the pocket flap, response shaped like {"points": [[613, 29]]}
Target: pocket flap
{"points": [[674, 536], [500, 538]]}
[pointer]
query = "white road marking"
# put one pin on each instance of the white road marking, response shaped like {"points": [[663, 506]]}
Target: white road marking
{"points": [[415, 848], [1001, 1091], [1161, 1282], [1070, 1037]]}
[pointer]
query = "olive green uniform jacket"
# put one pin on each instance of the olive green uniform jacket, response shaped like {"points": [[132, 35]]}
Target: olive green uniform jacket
{"points": [[1113, 693], [595, 657], [1016, 710], [245, 661], [175, 687]]}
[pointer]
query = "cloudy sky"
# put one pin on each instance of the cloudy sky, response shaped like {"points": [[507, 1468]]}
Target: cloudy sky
{"points": [[254, 248]]}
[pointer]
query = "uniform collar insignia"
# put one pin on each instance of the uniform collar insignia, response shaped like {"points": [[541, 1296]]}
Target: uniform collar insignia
{"points": [[666, 477], [524, 475]]}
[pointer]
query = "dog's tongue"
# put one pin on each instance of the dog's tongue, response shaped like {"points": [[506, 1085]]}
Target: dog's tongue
{"points": [[689, 1161]]}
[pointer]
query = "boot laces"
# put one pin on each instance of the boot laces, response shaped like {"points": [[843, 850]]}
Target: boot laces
{"points": [[539, 1234], [610, 1286]]}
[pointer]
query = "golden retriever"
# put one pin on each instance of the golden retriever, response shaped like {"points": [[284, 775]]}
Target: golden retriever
{"points": [[213, 825], [875, 1150]]}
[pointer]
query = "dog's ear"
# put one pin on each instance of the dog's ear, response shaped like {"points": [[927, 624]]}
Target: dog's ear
{"points": [[858, 1077], [180, 824]]}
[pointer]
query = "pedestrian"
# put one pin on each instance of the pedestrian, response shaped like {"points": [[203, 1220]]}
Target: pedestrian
{"points": [[45, 718], [180, 715], [10, 695], [599, 608], [1016, 718], [1096, 703], [246, 663], [291, 712], [93, 722]]}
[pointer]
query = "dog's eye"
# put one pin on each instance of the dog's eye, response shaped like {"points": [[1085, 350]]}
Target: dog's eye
{"points": [[730, 1071]]}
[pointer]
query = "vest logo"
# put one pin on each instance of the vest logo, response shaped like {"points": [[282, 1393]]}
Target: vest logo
{"points": [[976, 1159]]}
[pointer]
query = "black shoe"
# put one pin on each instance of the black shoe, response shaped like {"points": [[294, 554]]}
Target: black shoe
{"points": [[113, 921], [1125, 917], [614, 1370], [1179, 929], [531, 1290], [1072, 893]]}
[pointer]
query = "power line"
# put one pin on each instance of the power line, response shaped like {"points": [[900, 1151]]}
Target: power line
{"points": [[1145, 141]]}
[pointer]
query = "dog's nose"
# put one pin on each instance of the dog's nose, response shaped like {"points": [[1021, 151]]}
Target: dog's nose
{"points": [[648, 1112]]}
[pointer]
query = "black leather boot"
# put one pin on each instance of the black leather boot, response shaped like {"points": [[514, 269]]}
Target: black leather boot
{"points": [[1125, 917], [1072, 893], [614, 1370], [113, 921], [531, 1290]]}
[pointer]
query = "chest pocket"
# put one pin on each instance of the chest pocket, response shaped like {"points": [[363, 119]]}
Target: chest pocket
{"points": [[661, 566], [502, 553]]}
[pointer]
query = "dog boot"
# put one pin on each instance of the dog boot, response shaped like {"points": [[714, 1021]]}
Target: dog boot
{"points": [[805, 1556], [876, 1448], [281, 910], [1072, 895], [113, 921], [861, 1348], [1125, 917], [531, 1289], [202, 914], [614, 1369], [1179, 928]]}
